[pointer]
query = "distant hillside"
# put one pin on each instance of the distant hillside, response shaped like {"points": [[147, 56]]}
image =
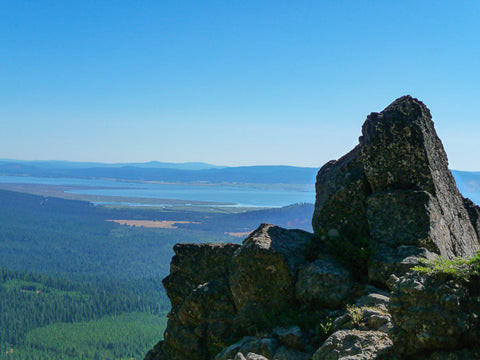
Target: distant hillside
{"points": [[59, 164], [58, 236]]}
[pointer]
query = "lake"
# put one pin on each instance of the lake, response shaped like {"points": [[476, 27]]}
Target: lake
{"points": [[242, 196]]}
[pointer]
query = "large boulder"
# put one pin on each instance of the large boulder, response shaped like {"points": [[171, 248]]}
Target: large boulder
{"points": [[263, 273], [192, 266], [415, 201], [405, 225], [394, 196], [354, 345], [323, 283], [201, 320], [341, 193]]}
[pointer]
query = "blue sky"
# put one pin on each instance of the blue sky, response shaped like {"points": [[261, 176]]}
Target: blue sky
{"points": [[230, 82]]}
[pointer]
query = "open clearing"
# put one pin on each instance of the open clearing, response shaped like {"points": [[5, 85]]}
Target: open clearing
{"points": [[164, 224]]}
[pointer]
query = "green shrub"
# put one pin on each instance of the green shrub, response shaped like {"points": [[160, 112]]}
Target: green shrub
{"points": [[460, 269]]}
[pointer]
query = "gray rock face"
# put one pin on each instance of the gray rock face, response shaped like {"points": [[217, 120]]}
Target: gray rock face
{"points": [[403, 217], [253, 356], [262, 279], [394, 189], [324, 283], [192, 266], [219, 292], [364, 318], [291, 337], [284, 353], [400, 148], [432, 314], [387, 260], [354, 345], [341, 193], [473, 213], [401, 151], [201, 320], [373, 300]]}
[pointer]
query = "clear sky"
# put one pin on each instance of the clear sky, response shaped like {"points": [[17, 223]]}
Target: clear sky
{"points": [[230, 82]]}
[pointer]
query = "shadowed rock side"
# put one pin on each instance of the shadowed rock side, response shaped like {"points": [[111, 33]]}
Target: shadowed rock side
{"points": [[202, 308], [348, 290], [262, 277], [474, 214]]}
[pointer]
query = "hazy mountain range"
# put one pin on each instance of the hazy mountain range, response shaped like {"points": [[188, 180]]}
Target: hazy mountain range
{"points": [[158, 171], [467, 181], [62, 164]]}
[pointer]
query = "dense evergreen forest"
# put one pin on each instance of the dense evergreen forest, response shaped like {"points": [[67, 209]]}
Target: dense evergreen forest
{"points": [[70, 238], [38, 309], [75, 286]]}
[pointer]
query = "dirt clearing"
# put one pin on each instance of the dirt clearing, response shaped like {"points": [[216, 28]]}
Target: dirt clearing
{"points": [[164, 224]]}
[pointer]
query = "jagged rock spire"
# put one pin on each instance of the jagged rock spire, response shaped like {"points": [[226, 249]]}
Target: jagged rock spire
{"points": [[396, 189]]}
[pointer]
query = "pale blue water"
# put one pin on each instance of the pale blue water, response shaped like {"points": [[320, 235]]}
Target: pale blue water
{"points": [[233, 195], [63, 181], [236, 196]]}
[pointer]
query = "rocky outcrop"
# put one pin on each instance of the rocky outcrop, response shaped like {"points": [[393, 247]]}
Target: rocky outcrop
{"points": [[263, 273], [223, 292], [192, 266], [395, 190], [348, 290], [201, 321], [434, 313], [354, 345]]}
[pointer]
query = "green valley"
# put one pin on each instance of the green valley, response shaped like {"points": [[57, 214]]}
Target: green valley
{"points": [[76, 285]]}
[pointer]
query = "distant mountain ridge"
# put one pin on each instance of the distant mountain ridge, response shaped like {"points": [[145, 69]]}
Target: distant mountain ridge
{"points": [[154, 172], [467, 181], [64, 164]]}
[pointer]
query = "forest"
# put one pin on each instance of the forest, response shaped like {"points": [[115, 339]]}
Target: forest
{"points": [[41, 316], [76, 286]]}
